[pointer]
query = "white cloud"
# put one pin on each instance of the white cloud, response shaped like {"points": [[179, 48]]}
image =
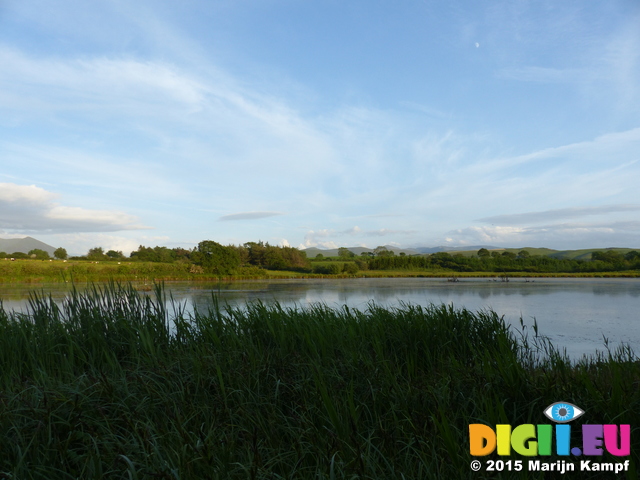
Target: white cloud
{"points": [[24, 194], [559, 236], [28, 208]]}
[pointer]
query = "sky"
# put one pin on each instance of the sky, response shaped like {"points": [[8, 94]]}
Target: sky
{"points": [[327, 123]]}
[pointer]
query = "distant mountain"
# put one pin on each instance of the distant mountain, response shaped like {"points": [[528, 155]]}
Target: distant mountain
{"points": [[24, 245], [455, 249], [470, 250], [333, 252]]}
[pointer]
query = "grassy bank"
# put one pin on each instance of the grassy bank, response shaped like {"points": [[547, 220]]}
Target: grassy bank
{"points": [[107, 387], [36, 271], [33, 271], [492, 275]]}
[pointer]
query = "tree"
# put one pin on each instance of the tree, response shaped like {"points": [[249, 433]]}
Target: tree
{"points": [[484, 253], [333, 269], [257, 252], [115, 254], [609, 256], [38, 254], [215, 258], [96, 253], [632, 255], [345, 253], [509, 255], [274, 259], [181, 254], [350, 268], [144, 254], [60, 253], [382, 252]]}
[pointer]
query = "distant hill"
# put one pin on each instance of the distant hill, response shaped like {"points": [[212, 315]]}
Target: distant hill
{"points": [[470, 248], [333, 252], [583, 254], [467, 251], [24, 245]]}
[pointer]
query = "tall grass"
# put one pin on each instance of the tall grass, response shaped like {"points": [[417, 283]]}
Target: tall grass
{"points": [[114, 384]]}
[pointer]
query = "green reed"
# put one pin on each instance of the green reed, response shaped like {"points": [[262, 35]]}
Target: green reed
{"points": [[114, 384]]}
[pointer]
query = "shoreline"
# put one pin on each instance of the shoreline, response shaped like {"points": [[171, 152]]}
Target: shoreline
{"points": [[449, 276], [36, 272]]}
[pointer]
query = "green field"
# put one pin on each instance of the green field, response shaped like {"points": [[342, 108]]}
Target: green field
{"points": [[107, 387], [37, 271], [137, 272]]}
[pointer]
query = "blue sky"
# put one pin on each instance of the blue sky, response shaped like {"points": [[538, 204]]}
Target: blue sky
{"points": [[320, 123]]}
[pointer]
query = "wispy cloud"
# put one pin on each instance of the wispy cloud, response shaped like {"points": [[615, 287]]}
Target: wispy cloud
{"points": [[550, 215], [602, 66], [248, 216], [428, 111], [113, 85], [329, 238], [545, 74], [618, 148]]}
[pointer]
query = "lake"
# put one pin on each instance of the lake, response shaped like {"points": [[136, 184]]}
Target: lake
{"points": [[575, 313]]}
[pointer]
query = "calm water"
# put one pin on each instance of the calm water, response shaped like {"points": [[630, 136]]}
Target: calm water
{"points": [[575, 314]]}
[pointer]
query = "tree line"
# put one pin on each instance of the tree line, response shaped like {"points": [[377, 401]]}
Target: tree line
{"points": [[485, 261], [36, 254], [214, 258]]}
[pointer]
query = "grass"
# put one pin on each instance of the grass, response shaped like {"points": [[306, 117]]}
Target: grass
{"points": [[146, 273], [492, 275], [57, 271], [119, 384], [33, 271]]}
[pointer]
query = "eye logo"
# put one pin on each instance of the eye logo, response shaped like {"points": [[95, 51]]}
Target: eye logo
{"points": [[563, 412]]}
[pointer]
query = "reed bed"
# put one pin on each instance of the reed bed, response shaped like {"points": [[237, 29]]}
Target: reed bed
{"points": [[115, 384]]}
